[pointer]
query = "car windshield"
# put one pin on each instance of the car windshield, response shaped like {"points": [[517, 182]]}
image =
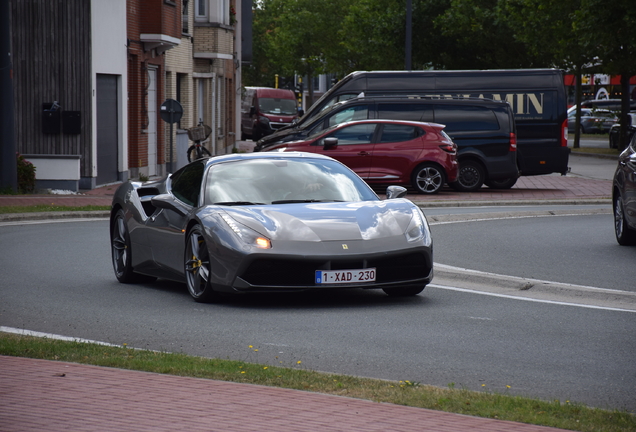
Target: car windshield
{"points": [[282, 181], [277, 106]]}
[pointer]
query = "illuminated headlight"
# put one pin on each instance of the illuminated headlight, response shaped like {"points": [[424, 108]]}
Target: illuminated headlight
{"points": [[248, 235], [418, 228]]}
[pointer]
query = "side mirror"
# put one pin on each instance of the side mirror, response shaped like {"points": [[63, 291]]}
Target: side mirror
{"points": [[166, 201], [395, 192], [330, 143], [301, 112], [252, 111]]}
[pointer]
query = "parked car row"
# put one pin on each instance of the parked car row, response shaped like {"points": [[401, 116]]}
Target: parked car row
{"points": [[483, 130], [593, 120]]}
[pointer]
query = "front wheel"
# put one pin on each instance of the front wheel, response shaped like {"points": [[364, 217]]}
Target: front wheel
{"points": [[427, 179], [502, 183], [403, 292], [471, 177], [625, 236], [197, 267]]}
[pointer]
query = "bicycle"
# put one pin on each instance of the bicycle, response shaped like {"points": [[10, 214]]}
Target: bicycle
{"points": [[197, 134]]}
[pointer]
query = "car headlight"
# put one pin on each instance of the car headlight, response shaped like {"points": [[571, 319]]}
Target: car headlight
{"points": [[247, 234], [280, 149], [418, 228], [263, 120]]}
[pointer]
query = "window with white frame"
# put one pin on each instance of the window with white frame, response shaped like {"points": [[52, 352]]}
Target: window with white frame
{"points": [[220, 11], [214, 11]]}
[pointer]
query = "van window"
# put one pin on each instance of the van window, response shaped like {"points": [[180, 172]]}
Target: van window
{"points": [[277, 106], [466, 118], [355, 134], [339, 98], [398, 133], [358, 112], [411, 112]]}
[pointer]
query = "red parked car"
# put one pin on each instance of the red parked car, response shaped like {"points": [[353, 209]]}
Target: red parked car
{"points": [[387, 151]]}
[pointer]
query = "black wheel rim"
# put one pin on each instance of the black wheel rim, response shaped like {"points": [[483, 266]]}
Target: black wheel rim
{"points": [[469, 176], [429, 180], [197, 264], [119, 246]]}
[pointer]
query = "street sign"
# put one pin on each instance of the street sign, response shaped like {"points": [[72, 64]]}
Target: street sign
{"points": [[171, 111]]}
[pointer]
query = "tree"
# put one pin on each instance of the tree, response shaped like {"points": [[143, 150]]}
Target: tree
{"points": [[550, 30], [611, 27], [480, 37]]}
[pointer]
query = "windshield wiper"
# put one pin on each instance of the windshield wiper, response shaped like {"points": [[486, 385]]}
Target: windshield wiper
{"points": [[233, 203], [292, 201]]}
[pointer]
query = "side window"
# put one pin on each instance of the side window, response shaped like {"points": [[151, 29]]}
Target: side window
{"points": [[186, 183], [411, 112], [466, 118], [359, 112], [398, 133], [355, 134], [339, 98]]}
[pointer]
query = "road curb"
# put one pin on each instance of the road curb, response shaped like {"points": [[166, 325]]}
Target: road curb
{"points": [[37, 216], [534, 289]]}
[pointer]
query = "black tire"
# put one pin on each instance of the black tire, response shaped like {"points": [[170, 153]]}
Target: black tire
{"points": [[192, 153], [121, 252], [197, 267], [502, 183], [403, 292], [625, 236], [428, 178], [471, 176]]}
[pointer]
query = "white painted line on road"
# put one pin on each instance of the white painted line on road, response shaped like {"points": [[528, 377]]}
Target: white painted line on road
{"points": [[449, 288], [47, 221], [53, 336], [511, 217]]}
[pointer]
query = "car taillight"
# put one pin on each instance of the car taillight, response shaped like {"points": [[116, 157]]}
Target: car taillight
{"points": [[449, 147], [564, 137], [513, 142]]}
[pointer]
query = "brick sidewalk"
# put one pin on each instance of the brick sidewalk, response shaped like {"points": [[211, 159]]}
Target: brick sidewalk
{"points": [[37, 395], [537, 188]]}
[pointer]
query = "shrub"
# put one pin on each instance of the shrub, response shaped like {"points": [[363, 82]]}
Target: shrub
{"points": [[26, 175]]}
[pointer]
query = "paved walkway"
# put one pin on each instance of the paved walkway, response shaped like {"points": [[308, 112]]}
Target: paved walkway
{"points": [[528, 189], [38, 395]]}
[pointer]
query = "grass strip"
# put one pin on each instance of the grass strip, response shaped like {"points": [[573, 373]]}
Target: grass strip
{"points": [[49, 208], [564, 415]]}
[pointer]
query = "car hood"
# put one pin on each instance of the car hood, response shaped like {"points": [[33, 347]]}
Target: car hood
{"points": [[364, 220]]}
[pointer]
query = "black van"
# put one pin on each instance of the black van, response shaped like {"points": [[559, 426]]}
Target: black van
{"points": [[537, 97], [483, 130]]}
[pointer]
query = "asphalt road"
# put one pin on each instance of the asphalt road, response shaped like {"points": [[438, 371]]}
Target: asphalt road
{"points": [[57, 278]]}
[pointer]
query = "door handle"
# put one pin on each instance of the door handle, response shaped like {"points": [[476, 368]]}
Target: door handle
{"points": [[363, 153]]}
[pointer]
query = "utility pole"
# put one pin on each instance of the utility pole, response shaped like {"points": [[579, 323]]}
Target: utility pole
{"points": [[8, 164], [407, 48]]}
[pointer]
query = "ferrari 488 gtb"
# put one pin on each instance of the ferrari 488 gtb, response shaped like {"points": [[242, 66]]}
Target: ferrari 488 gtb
{"points": [[269, 222]]}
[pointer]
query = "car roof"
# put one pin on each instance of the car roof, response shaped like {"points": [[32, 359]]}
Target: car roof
{"points": [[264, 155], [390, 121], [436, 99]]}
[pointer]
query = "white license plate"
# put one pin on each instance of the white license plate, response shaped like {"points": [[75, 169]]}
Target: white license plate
{"points": [[345, 276]]}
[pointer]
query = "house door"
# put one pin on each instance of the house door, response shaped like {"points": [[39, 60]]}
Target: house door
{"points": [[152, 121], [107, 129]]}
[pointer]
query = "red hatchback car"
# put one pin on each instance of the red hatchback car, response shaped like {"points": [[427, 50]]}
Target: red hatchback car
{"points": [[387, 151]]}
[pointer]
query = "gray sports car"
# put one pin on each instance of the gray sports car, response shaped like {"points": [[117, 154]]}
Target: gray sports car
{"points": [[267, 222]]}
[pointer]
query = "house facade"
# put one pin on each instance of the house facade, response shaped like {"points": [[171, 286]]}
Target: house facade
{"points": [[90, 77]]}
